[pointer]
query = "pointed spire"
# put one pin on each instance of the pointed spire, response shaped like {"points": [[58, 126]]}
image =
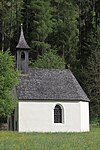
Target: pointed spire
{"points": [[22, 44]]}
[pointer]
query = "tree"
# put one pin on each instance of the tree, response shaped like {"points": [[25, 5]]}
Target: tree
{"points": [[88, 68], [10, 15], [26, 15], [65, 31], [49, 60], [8, 80], [87, 27], [93, 83], [92, 76], [41, 25]]}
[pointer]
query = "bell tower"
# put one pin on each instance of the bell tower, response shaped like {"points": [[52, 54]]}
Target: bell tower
{"points": [[22, 49]]}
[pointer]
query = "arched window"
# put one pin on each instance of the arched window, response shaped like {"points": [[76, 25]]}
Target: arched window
{"points": [[22, 55], [57, 114]]}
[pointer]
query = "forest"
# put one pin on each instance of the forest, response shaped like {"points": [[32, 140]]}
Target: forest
{"points": [[54, 29]]}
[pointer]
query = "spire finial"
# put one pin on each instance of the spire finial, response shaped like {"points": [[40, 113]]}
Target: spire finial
{"points": [[21, 26], [22, 29]]}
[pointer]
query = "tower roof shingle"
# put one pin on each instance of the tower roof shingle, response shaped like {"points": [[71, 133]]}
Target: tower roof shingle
{"points": [[22, 44]]}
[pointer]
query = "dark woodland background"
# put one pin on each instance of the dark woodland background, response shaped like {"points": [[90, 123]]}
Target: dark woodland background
{"points": [[71, 28]]}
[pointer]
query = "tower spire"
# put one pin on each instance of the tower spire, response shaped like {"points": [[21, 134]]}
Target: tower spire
{"points": [[22, 44], [22, 49]]}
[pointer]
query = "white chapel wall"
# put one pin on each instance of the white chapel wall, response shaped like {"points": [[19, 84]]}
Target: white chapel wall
{"points": [[84, 116], [39, 117]]}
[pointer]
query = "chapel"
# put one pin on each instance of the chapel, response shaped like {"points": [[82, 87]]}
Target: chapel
{"points": [[49, 100]]}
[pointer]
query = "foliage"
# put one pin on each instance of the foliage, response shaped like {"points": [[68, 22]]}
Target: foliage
{"points": [[92, 75], [10, 15], [88, 66], [8, 79], [41, 24], [69, 26], [87, 29], [49, 60], [65, 31], [50, 141]]}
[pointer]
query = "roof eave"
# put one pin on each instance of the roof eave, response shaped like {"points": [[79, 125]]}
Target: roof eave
{"points": [[68, 100]]}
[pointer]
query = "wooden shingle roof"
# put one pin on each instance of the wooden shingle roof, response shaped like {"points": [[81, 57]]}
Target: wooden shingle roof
{"points": [[53, 84]]}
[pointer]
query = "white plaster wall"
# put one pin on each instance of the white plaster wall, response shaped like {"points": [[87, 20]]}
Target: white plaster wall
{"points": [[84, 106], [39, 117]]}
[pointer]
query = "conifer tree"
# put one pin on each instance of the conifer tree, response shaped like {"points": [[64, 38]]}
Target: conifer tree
{"points": [[41, 25], [65, 34], [49, 60], [10, 13]]}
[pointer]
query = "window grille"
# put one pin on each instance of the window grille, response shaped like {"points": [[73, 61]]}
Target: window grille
{"points": [[57, 114]]}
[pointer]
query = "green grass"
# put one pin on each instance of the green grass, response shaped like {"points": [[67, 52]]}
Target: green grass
{"points": [[50, 141]]}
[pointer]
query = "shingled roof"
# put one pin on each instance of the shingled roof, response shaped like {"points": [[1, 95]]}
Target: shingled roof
{"points": [[22, 44], [54, 84]]}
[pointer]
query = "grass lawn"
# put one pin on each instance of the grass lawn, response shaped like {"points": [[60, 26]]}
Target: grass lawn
{"points": [[50, 141]]}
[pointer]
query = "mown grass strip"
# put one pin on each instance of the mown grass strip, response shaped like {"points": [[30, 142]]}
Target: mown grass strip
{"points": [[50, 141]]}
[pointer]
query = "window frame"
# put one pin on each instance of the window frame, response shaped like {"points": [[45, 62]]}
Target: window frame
{"points": [[58, 114]]}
